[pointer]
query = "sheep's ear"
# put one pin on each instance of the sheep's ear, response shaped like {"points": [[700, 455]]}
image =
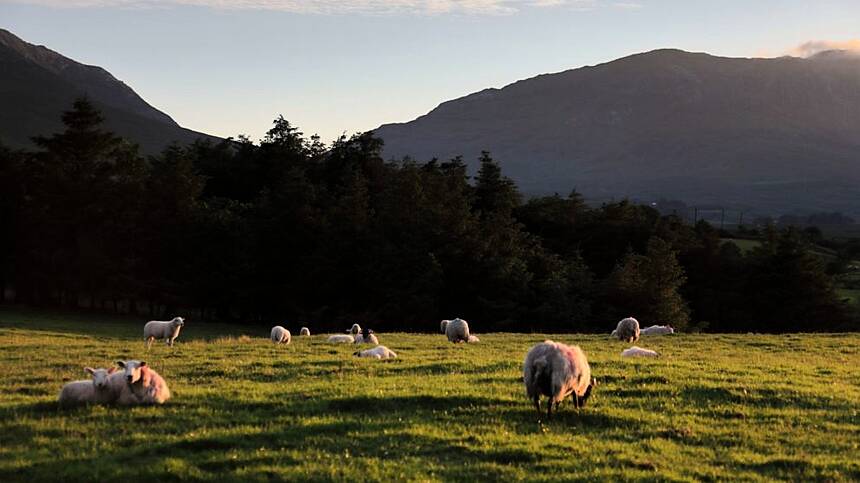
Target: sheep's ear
{"points": [[142, 363], [111, 370], [120, 364], [89, 370]]}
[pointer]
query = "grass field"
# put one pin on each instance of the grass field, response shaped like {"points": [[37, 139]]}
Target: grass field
{"points": [[714, 407]]}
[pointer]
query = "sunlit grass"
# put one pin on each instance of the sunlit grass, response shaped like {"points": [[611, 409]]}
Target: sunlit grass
{"points": [[738, 407]]}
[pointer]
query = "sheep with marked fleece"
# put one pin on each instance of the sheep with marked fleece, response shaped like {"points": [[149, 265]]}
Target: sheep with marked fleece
{"points": [[556, 370], [137, 383]]}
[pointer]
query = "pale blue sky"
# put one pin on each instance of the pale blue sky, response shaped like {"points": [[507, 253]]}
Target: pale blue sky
{"points": [[330, 66]]}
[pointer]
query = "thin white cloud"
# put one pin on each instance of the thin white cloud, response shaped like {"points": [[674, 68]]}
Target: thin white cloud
{"points": [[808, 49], [334, 7]]}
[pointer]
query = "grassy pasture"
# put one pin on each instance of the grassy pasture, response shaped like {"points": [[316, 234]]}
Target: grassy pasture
{"points": [[714, 407]]}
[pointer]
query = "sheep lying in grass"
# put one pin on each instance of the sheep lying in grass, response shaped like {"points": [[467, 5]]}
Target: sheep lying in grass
{"points": [[280, 335], [639, 352], [378, 352], [658, 330], [305, 331], [354, 330], [457, 330], [627, 330], [341, 339], [160, 329], [556, 370], [366, 337], [88, 391], [137, 383]]}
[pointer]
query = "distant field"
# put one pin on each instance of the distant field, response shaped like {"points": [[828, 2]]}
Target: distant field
{"points": [[714, 407]]}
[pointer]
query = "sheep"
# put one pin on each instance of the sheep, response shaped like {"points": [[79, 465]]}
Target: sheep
{"points": [[341, 339], [627, 330], [354, 330], [159, 329], [444, 325], [639, 352], [95, 390], [366, 337], [457, 330], [658, 330], [280, 335], [556, 370], [137, 384], [378, 352], [305, 331]]}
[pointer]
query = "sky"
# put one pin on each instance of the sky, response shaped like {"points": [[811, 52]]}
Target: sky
{"points": [[229, 67]]}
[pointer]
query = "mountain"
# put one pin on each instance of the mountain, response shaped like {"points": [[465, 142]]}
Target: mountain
{"points": [[776, 135], [38, 84]]}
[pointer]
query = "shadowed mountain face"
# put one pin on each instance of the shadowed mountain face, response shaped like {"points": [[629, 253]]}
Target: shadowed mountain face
{"points": [[38, 84], [776, 135]]}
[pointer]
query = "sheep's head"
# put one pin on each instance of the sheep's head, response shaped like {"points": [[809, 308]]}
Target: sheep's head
{"points": [[355, 329], [100, 376], [587, 394], [178, 321], [444, 325], [132, 370]]}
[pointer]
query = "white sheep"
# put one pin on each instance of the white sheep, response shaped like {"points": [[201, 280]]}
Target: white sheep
{"points": [[627, 330], [639, 352], [95, 390], [160, 329], [280, 335], [341, 339], [137, 384], [378, 352], [658, 330], [457, 330], [444, 325], [354, 330], [305, 331], [556, 370], [366, 337]]}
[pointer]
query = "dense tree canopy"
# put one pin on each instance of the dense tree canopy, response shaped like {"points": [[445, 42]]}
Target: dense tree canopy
{"points": [[290, 229]]}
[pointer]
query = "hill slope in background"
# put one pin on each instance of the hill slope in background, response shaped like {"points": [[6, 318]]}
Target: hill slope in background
{"points": [[777, 135], [38, 84]]}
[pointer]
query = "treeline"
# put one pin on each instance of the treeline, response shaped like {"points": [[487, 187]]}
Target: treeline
{"points": [[291, 229]]}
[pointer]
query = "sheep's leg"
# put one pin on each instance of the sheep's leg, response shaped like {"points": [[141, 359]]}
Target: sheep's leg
{"points": [[549, 410], [149, 342], [537, 403]]}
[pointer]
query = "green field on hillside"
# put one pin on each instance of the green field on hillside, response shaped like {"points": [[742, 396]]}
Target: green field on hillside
{"points": [[713, 407]]}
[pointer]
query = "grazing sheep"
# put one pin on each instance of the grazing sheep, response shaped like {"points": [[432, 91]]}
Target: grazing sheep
{"points": [[639, 352], [137, 384], [305, 331], [378, 352], [457, 330], [658, 330], [341, 339], [366, 337], [280, 335], [444, 325], [354, 330], [627, 330], [95, 390], [159, 329], [557, 371]]}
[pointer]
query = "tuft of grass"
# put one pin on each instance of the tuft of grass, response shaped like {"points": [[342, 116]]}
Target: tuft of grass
{"points": [[713, 407]]}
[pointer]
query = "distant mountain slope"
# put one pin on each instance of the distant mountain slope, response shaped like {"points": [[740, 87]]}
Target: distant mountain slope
{"points": [[778, 135], [38, 84]]}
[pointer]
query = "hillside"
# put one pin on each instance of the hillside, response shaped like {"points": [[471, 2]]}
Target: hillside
{"points": [[38, 84], [778, 135]]}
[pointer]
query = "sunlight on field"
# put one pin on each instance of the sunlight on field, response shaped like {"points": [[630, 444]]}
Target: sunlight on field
{"points": [[712, 407]]}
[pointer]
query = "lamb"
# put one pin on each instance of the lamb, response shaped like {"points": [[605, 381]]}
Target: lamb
{"points": [[159, 329], [627, 330], [658, 330], [639, 352], [457, 330], [341, 339], [354, 330], [305, 331], [366, 337], [280, 335], [138, 384], [378, 352], [95, 390], [556, 370]]}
